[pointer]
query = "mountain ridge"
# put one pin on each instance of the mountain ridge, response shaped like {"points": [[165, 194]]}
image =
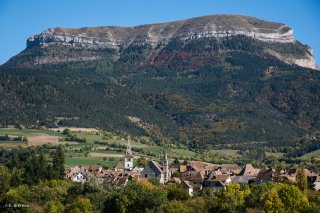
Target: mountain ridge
{"points": [[158, 35]]}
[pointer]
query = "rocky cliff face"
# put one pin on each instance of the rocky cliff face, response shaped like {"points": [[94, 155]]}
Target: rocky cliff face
{"points": [[154, 34], [218, 26]]}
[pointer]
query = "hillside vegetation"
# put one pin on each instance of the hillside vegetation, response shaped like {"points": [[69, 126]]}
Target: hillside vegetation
{"points": [[202, 93]]}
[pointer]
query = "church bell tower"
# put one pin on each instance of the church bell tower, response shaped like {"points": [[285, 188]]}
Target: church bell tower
{"points": [[165, 167], [128, 158]]}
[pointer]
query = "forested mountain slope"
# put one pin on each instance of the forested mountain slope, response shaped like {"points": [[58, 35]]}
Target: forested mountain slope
{"points": [[219, 89]]}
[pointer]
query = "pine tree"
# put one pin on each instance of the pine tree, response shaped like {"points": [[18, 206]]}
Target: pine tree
{"points": [[43, 166], [58, 163]]}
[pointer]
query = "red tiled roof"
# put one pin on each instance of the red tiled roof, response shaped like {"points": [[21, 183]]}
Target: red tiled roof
{"points": [[119, 166]]}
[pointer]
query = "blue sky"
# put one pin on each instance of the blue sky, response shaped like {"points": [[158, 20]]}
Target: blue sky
{"points": [[20, 19]]}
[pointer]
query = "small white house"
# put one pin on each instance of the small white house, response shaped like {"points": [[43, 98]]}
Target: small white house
{"points": [[317, 184], [78, 178], [188, 186]]}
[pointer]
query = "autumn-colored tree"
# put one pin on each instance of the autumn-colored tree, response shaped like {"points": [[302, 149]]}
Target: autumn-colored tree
{"points": [[301, 178], [80, 204], [230, 200], [176, 192], [142, 162], [198, 204], [54, 207], [4, 179], [135, 196], [292, 198], [271, 201], [176, 206]]}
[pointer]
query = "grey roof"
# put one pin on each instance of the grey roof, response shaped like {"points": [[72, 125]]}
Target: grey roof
{"points": [[155, 167], [264, 175], [241, 179]]}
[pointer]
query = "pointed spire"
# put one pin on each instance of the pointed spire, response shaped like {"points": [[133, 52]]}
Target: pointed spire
{"points": [[166, 155], [128, 151]]}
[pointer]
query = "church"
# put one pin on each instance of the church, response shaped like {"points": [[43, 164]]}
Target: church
{"points": [[155, 170], [152, 170]]}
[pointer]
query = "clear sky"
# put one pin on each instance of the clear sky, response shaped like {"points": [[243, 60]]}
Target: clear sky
{"points": [[20, 19]]}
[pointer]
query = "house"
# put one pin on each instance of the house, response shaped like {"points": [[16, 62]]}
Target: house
{"points": [[242, 179], [264, 175], [119, 167], [137, 169], [249, 170], [226, 179], [288, 177], [218, 185], [225, 168], [85, 169], [173, 170], [78, 178], [317, 183], [95, 168], [216, 182], [182, 168], [292, 173], [74, 170], [194, 166], [175, 180], [121, 181], [193, 176], [75, 174], [134, 177], [190, 187]]}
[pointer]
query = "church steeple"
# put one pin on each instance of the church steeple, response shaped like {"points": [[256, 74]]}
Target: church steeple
{"points": [[165, 167], [128, 151], [128, 158]]}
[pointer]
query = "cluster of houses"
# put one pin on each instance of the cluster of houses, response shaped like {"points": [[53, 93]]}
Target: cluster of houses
{"points": [[193, 177]]}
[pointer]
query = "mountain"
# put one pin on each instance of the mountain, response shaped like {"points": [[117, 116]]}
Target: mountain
{"points": [[98, 40], [221, 80]]}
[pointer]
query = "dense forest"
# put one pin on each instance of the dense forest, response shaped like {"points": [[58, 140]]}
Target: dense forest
{"points": [[225, 92]]}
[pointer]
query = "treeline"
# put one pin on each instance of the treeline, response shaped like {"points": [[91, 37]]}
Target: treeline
{"points": [[30, 165], [145, 196], [6, 137]]}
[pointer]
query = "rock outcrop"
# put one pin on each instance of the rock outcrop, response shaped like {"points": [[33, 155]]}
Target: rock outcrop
{"points": [[154, 34]]}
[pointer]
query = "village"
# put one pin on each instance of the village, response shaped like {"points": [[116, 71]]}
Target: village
{"points": [[194, 176]]}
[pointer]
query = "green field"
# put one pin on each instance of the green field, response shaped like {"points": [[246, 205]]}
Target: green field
{"points": [[275, 154], [76, 152], [108, 151], [314, 154], [90, 161], [224, 152]]}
